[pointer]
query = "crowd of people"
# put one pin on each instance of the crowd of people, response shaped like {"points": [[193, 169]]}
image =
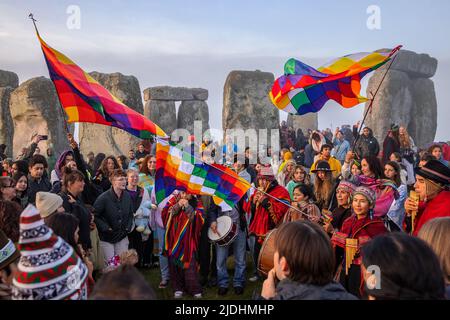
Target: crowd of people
{"points": [[338, 203]]}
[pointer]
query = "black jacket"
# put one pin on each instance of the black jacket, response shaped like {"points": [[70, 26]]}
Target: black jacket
{"points": [[82, 213], [291, 290], [35, 186], [366, 146], [113, 216], [140, 155]]}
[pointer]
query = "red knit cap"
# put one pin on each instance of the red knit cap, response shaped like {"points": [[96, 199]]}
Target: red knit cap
{"points": [[49, 268]]}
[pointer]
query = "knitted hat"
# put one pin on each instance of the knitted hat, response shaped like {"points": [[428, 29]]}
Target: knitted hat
{"points": [[322, 166], [394, 127], [346, 187], [266, 173], [47, 203], [8, 251], [366, 192], [49, 268], [436, 171]]}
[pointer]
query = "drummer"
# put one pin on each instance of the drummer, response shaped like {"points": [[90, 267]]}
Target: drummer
{"points": [[267, 206], [237, 215]]}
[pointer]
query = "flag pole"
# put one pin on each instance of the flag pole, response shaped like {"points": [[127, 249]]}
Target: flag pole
{"points": [[245, 182], [31, 16], [369, 108]]}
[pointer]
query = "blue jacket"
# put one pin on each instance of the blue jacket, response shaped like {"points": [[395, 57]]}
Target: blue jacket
{"points": [[340, 149]]}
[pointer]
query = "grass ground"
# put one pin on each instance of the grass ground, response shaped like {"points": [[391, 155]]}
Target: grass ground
{"points": [[251, 289]]}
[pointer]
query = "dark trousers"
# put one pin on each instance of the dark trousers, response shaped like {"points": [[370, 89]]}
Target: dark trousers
{"points": [[144, 249], [185, 280], [207, 255], [256, 251]]}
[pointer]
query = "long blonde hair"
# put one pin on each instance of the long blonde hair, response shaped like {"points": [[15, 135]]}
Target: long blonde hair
{"points": [[436, 233], [404, 140]]}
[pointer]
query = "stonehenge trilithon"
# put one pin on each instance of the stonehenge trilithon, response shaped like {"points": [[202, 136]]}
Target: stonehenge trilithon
{"points": [[160, 107], [406, 97], [305, 122]]}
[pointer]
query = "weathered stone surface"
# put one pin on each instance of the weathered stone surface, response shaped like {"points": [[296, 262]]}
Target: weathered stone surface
{"points": [[99, 138], [191, 111], [423, 124], [35, 108], [404, 99], [416, 65], [175, 93], [163, 113], [8, 79], [393, 102], [246, 104], [305, 122], [6, 123]]}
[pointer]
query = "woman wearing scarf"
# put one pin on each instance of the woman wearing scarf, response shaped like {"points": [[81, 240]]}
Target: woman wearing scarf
{"points": [[371, 170], [360, 228]]}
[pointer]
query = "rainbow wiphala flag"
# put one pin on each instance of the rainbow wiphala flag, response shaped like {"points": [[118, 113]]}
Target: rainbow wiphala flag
{"points": [[303, 89], [85, 100], [178, 170]]}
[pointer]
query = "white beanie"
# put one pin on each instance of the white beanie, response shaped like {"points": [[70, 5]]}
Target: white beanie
{"points": [[47, 203]]}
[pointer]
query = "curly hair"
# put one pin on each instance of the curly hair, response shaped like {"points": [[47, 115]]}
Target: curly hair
{"points": [[9, 219], [104, 167]]}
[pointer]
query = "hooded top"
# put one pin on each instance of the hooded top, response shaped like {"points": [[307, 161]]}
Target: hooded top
{"points": [[59, 164], [367, 146], [291, 290]]}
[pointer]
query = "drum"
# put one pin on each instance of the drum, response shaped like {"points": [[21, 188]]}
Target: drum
{"points": [[227, 231], [265, 258]]}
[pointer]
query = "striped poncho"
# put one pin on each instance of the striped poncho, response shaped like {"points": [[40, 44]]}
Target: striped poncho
{"points": [[182, 237]]}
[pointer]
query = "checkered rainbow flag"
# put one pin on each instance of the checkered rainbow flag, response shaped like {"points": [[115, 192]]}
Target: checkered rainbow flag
{"points": [[303, 89], [178, 170], [85, 100]]}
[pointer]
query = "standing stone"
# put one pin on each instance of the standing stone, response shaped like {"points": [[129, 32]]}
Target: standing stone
{"points": [[35, 108], [191, 111], [406, 97], [393, 102], [246, 103], [6, 122], [304, 122], [112, 141], [8, 79], [423, 123], [163, 113]]}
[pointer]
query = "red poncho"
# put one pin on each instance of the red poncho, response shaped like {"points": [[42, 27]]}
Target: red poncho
{"points": [[366, 227], [435, 208], [266, 219], [182, 236], [362, 229]]}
